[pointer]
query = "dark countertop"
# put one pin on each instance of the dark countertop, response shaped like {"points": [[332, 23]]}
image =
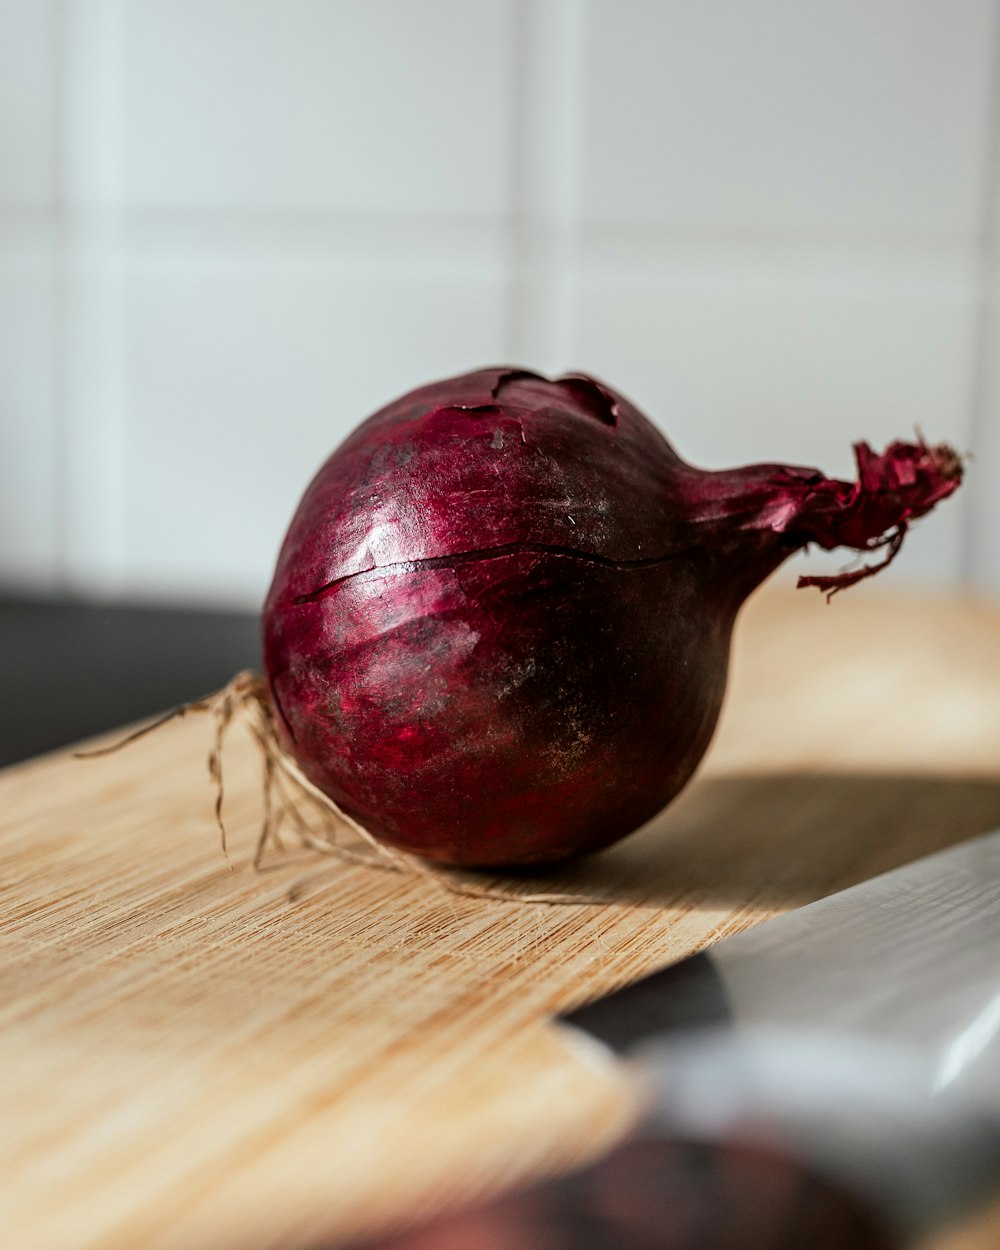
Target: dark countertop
{"points": [[69, 670]]}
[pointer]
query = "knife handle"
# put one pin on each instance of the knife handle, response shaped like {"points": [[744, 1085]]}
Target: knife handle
{"points": [[655, 1193]]}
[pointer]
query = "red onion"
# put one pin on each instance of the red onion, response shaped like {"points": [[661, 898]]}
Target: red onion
{"points": [[499, 627]]}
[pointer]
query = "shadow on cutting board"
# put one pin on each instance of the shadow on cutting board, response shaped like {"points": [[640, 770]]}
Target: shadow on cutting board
{"points": [[780, 839]]}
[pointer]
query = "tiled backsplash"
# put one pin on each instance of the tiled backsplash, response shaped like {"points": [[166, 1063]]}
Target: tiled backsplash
{"points": [[229, 229]]}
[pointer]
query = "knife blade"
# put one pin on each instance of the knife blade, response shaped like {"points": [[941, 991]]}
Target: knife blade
{"points": [[862, 1031], [911, 957]]}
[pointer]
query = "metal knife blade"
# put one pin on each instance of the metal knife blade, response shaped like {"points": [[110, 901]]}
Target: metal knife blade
{"points": [[910, 957], [863, 1030]]}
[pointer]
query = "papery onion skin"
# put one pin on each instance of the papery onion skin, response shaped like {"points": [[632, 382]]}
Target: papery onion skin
{"points": [[499, 627]]}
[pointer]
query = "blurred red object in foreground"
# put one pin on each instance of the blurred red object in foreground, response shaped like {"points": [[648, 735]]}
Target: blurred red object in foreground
{"points": [[655, 1194]]}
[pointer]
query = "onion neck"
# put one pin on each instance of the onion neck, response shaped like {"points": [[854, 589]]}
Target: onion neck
{"points": [[765, 512]]}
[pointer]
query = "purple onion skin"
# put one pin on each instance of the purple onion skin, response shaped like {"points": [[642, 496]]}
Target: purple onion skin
{"points": [[499, 627]]}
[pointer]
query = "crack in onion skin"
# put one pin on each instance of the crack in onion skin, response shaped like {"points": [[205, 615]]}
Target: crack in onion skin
{"points": [[499, 627]]}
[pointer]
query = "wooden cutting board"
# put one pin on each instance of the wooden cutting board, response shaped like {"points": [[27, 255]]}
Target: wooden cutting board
{"points": [[194, 1054]]}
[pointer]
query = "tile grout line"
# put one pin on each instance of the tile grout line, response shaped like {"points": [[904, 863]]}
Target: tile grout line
{"points": [[519, 52], [92, 424], [975, 517], [546, 116], [146, 233], [574, 35], [60, 294]]}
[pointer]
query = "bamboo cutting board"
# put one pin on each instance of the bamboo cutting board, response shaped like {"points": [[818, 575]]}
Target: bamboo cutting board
{"points": [[197, 1055]]}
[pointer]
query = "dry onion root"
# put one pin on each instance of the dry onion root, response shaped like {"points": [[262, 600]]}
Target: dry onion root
{"points": [[291, 801]]}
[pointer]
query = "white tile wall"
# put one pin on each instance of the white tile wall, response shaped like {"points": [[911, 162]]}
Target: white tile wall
{"points": [[385, 107], [29, 454], [28, 104], [231, 228], [788, 115], [29, 332]]}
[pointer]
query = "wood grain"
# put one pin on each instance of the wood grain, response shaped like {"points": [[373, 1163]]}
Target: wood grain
{"points": [[191, 1057]]}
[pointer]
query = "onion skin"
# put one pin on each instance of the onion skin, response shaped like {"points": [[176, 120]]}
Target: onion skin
{"points": [[499, 627]]}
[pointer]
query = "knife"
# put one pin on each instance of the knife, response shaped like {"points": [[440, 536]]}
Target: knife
{"points": [[830, 1078]]}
